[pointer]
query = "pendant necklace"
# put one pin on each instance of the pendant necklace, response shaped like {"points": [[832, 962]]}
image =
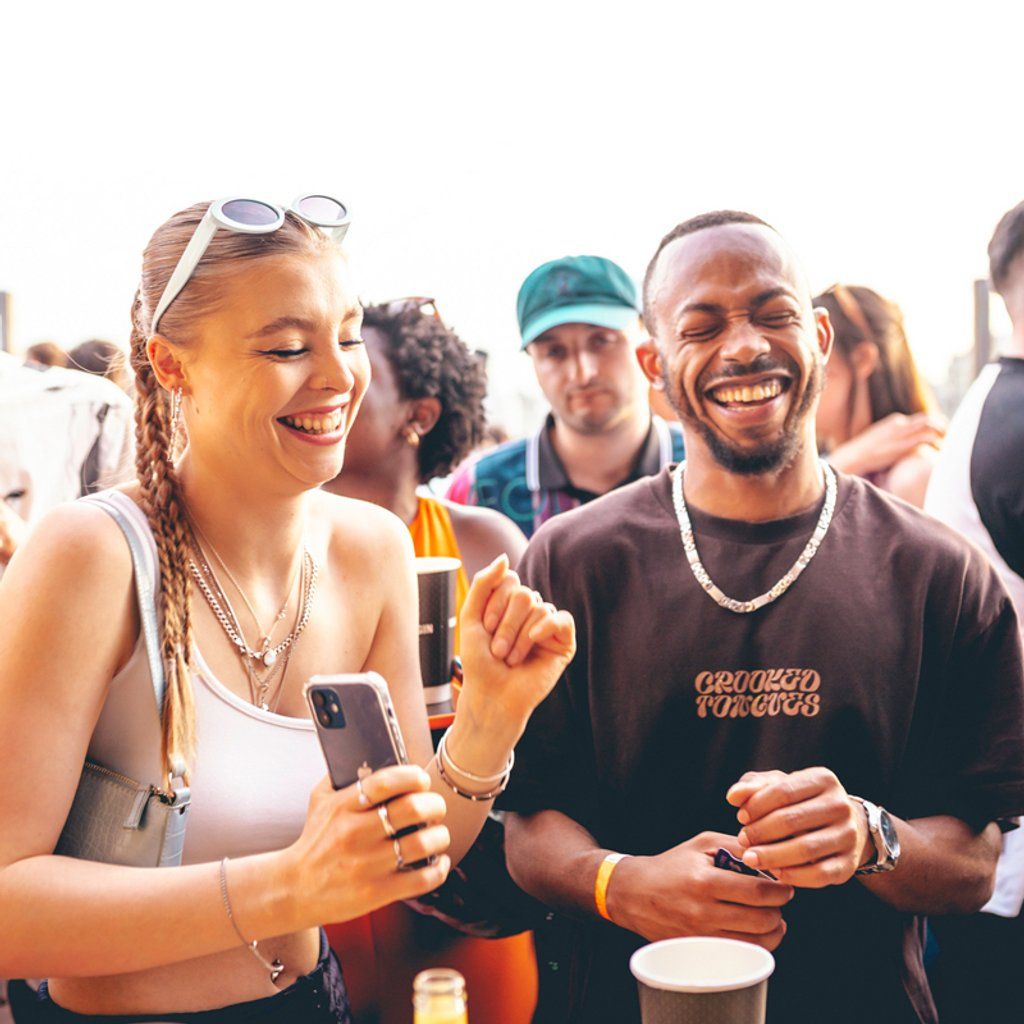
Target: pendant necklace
{"points": [[701, 574]]}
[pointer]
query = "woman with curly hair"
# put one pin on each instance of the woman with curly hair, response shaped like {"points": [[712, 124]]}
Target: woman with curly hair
{"points": [[422, 414]]}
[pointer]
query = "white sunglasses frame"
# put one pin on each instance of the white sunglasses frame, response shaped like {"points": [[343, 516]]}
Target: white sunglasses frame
{"points": [[215, 218]]}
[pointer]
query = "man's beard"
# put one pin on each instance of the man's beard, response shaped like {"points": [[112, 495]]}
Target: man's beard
{"points": [[765, 458]]}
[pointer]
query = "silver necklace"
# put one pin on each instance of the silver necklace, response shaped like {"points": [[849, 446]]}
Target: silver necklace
{"points": [[259, 688], [218, 602], [265, 634], [729, 603]]}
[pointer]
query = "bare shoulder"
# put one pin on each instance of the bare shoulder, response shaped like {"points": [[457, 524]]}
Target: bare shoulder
{"points": [[908, 479], [75, 547], [484, 534], [361, 531]]}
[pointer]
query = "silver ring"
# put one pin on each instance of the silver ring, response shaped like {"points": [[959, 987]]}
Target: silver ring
{"points": [[385, 820], [364, 800], [399, 859]]}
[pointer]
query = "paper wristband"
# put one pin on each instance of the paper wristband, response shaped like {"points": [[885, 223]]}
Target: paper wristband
{"points": [[604, 874]]}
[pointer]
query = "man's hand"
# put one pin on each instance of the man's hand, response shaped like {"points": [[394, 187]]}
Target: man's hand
{"points": [[801, 826], [13, 530], [681, 892]]}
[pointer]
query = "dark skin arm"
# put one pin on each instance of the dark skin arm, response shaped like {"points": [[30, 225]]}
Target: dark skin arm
{"points": [[678, 892], [804, 828], [483, 534]]}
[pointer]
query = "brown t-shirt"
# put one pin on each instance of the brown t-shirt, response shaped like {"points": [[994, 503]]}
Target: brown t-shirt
{"points": [[894, 660]]}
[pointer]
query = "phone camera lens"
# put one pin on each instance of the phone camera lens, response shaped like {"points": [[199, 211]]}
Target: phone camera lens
{"points": [[325, 718], [319, 699]]}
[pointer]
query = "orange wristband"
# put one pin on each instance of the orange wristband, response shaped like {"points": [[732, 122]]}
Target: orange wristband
{"points": [[604, 875]]}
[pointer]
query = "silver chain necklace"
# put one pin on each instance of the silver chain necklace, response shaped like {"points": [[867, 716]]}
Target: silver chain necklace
{"points": [[268, 655], [729, 603]]}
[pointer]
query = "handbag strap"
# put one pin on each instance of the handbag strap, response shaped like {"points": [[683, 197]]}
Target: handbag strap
{"points": [[145, 587]]}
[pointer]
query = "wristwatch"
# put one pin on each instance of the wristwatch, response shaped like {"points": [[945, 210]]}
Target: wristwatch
{"points": [[883, 835]]}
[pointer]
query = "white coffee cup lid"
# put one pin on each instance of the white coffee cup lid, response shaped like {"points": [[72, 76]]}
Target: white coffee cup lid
{"points": [[701, 964], [429, 564]]}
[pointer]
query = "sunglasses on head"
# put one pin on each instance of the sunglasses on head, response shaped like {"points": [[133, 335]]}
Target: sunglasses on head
{"points": [[249, 217], [420, 303]]}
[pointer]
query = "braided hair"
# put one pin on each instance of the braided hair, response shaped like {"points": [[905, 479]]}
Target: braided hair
{"points": [[161, 494]]}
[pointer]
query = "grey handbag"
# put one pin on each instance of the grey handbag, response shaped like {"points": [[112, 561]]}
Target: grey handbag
{"points": [[113, 818]]}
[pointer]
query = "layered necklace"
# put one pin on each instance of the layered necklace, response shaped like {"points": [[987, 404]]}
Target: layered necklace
{"points": [[264, 689], [701, 574]]}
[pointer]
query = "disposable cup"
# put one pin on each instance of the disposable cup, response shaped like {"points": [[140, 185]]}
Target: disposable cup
{"points": [[698, 980]]}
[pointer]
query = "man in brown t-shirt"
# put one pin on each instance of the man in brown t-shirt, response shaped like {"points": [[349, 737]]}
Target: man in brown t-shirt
{"points": [[757, 642]]}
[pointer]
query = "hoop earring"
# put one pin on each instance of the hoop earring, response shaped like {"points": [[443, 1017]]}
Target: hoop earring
{"points": [[175, 418]]}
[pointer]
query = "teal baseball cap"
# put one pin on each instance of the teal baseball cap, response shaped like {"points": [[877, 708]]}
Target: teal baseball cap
{"points": [[576, 290]]}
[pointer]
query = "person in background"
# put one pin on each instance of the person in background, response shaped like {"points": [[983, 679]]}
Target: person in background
{"points": [[579, 319], [46, 353], [978, 489], [422, 414], [62, 434], [104, 359], [877, 417]]}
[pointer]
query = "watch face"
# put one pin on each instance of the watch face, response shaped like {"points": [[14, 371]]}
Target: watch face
{"points": [[889, 837]]}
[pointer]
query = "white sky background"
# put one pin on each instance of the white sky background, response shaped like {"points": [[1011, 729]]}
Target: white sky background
{"points": [[474, 141]]}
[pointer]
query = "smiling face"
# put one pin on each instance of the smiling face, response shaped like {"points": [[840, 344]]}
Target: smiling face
{"points": [[742, 353], [277, 371], [589, 375]]}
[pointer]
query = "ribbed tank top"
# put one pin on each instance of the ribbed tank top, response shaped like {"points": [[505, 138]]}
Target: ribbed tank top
{"points": [[253, 769]]}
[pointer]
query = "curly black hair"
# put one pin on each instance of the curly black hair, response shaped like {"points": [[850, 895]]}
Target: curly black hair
{"points": [[431, 361]]}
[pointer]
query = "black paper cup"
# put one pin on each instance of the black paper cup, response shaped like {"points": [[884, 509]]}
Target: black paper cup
{"points": [[700, 980], [437, 578]]}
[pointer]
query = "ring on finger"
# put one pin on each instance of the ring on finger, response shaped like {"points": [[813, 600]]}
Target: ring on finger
{"points": [[399, 859], [364, 800], [385, 820]]}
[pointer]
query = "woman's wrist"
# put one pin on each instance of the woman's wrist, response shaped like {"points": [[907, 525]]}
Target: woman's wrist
{"points": [[482, 747], [265, 895]]}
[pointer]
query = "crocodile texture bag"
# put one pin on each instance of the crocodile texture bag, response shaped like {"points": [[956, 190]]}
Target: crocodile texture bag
{"points": [[115, 819]]}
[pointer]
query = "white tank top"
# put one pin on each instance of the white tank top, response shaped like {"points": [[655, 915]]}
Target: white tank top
{"points": [[253, 769]]}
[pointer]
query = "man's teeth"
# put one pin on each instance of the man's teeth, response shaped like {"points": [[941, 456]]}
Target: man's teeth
{"points": [[315, 424], [757, 393]]}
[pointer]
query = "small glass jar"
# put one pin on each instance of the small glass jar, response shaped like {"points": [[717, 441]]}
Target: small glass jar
{"points": [[439, 997]]}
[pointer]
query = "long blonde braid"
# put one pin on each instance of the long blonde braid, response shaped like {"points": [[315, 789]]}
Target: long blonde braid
{"points": [[161, 490], [162, 504]]}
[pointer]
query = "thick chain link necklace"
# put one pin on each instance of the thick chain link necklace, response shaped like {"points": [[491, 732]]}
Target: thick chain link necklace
{"points": [[701, 574]]}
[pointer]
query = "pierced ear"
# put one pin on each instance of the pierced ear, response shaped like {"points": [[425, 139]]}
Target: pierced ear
{"points": [[166, 364], [649, 358], [424, 414]]}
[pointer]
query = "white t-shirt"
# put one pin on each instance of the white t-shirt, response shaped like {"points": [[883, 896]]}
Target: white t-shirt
{"points": [[977, 487]]}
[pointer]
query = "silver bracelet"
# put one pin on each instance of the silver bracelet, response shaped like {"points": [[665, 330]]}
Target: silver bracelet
{"points": [[273, 968], [442, 750], [490, 795]]}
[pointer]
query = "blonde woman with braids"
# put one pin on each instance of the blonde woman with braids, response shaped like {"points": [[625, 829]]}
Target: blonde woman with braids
{"points": [[262, 350]]}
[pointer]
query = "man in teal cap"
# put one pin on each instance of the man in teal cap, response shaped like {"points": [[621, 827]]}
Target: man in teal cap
{"points": [[579, 320]]}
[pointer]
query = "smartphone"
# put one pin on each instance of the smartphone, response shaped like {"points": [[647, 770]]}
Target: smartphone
{"points": [[356, 724]]}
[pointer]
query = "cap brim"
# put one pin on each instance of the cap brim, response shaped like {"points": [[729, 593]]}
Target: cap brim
{"points": [[618, 318]]}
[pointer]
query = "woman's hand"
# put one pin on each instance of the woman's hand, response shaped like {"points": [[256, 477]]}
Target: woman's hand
{"points": [[514, 648], [346, 863], [886, 442]]}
